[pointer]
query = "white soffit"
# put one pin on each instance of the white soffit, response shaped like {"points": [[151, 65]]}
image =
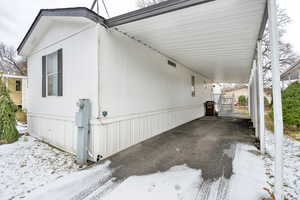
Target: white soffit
{"points": [[216, 39]]}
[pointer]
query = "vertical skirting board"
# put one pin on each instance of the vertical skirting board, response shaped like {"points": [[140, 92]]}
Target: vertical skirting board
{"points": [[108, 139], [116, 136]]}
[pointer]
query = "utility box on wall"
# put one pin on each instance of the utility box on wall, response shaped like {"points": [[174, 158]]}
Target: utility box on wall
{"points": [[82, 118]]}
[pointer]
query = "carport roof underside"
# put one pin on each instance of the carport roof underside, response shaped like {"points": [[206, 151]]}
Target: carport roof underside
{"points": [[216, 38]]}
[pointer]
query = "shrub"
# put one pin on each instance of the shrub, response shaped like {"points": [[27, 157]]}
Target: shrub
{"points": [[8, 130], [290, 105], [242, 100]]}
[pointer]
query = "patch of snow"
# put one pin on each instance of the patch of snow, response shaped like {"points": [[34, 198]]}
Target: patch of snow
{"points": [[28, 164], [179, 182], [214, 190], [77, 185], [184, 183], [21, 127], [291, 164], [248, 179], [33, 170]]}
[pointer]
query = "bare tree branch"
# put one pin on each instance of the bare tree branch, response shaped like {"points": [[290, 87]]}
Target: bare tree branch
{"points": [[8, 62], [287, 56]]}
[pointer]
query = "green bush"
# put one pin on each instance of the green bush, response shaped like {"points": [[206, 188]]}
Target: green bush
{"points": [[8, 130], [242, 100], [290, 105]]}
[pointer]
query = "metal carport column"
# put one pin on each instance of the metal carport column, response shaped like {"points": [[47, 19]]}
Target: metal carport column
{"points": [[277, 106], [260, 98]]}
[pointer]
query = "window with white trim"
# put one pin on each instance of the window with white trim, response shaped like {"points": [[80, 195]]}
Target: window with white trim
{"points": [[52, 74]]}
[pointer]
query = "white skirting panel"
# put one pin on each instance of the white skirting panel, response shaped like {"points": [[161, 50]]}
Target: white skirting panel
{"points": [[116, 136], [108, 139], [57, 131]]}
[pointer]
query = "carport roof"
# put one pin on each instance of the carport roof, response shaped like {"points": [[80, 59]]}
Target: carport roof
{"points": [[216, 38]]}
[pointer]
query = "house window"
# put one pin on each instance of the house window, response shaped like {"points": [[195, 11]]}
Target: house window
{"points": [[193, 86], [52, 74], [18, 85]]}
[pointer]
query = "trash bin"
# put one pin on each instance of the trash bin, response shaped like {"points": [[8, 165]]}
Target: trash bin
{"points": [[209, 108]]}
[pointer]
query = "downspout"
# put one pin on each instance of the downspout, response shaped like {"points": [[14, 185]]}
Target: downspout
{"points": [[98, 73], [101, 113]]}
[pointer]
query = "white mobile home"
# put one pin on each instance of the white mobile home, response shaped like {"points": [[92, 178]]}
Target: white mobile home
{"points": [[143, 92], [146, 71]]}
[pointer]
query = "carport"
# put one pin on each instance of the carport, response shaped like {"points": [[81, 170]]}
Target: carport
{"points": [[221, 40]]}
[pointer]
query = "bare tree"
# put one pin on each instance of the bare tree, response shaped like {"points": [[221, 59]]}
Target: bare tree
{"points": [[146, 3], [8, 60], [287, 56]]}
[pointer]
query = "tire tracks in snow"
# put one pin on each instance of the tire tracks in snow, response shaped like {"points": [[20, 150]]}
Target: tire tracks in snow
{"points": [[213, 190]]}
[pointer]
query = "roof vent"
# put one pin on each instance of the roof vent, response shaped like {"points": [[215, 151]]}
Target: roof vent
{"points": [[171, 63]]}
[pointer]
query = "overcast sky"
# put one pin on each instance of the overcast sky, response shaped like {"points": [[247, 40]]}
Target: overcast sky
{"points": [[16, 16]]}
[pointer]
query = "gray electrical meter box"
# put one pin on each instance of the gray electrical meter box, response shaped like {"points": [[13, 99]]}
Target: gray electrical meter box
{"points": [[82, 118]]}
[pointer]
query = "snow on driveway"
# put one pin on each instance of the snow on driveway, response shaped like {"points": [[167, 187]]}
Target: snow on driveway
{"points": [[77, 185], [184, 183], [28, 164], [179, 182], [33, 170], [248, 179], [291, 164]]}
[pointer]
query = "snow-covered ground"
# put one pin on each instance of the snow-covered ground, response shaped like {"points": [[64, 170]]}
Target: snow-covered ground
{"points": [[29, 164], [184, 183], [31, 169], [291, 171], [179, 182], [21, 127], [248, 179]]}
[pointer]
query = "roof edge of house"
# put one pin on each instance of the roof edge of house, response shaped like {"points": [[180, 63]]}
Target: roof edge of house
{"points": [[153, 10], [150, 11], [71, 11]]}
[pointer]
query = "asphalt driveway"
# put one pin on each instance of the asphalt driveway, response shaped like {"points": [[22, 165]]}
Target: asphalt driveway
{"points": [[207, 143]]}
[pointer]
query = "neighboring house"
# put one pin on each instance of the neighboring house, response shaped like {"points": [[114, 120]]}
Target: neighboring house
{"points": [[291, 75], [17, 86], [244, 91], [134, 68], [237, 92]]}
